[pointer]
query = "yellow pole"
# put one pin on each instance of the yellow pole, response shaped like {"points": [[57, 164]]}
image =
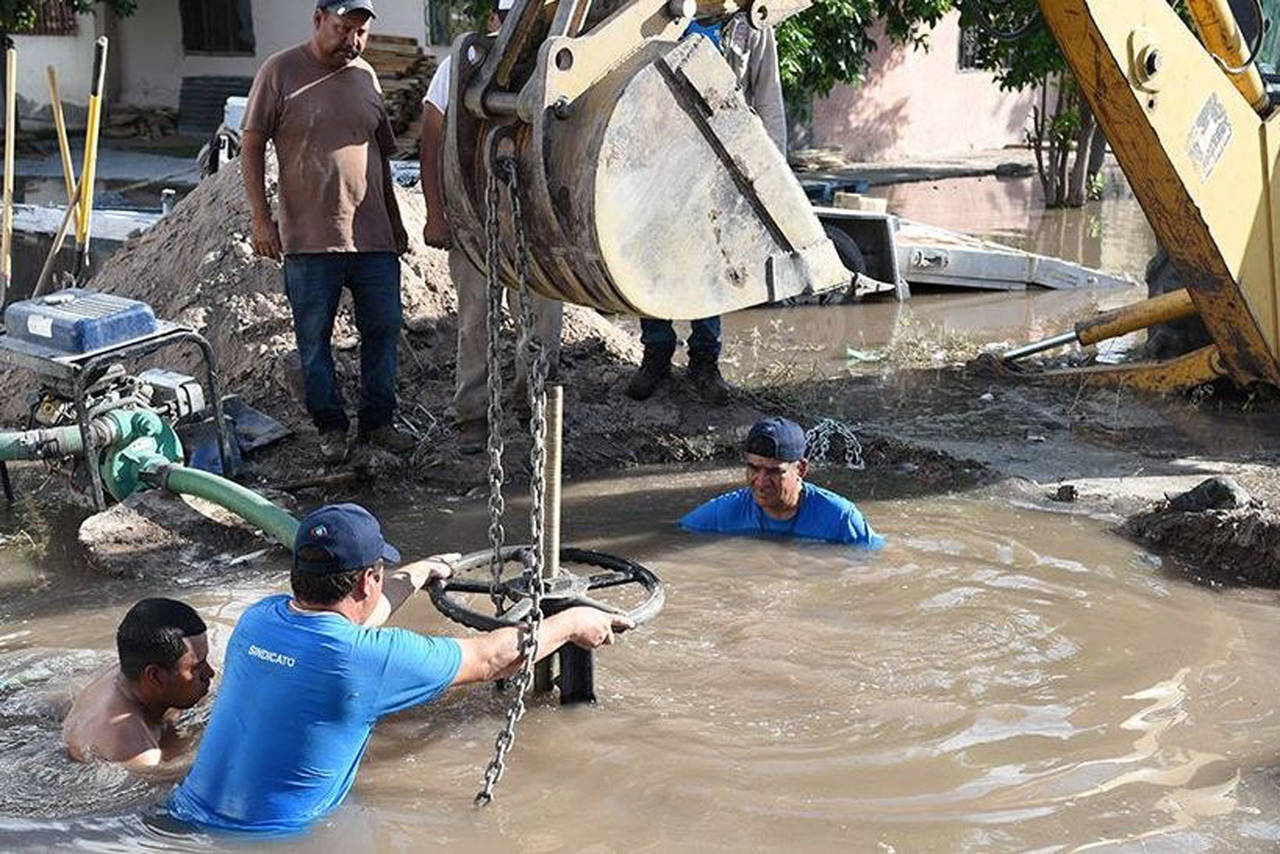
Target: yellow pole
{"points": [[1165, 308], [64, 147], [1223, 37], [10, 132], [88, 171]]}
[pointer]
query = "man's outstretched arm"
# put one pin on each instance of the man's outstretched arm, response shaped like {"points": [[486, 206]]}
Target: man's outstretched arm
{"points": [[497, 654]]}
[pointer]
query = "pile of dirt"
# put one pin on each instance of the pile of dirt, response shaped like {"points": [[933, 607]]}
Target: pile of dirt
{"points": [[1216, 532], [197, 267]]}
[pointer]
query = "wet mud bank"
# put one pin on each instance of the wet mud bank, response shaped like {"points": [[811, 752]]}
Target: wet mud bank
{"points": [[1193, 477], [1217, 532]]}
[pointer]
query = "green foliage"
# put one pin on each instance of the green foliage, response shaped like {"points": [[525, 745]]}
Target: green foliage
{"points": [[17, 16], [475, 15], [1095, 186], [830, 42], [1018, 63], [1027, 60]]}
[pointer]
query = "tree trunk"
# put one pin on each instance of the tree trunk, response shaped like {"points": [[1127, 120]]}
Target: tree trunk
{"points": [[1097, 151], [1057, 153], [1035, 137], [1077, 189]]}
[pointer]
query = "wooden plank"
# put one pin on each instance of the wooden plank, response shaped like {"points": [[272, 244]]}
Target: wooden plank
{"points": [[393, 47], [389, 39], [398, 85], [380, 60]]}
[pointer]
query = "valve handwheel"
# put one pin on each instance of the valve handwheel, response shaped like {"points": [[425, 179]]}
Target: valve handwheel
{"points": [[566, 590]]}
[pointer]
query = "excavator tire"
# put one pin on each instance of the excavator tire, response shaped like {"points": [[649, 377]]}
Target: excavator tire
{"points": [[847, 248], [1168, 340], [850, 256]]}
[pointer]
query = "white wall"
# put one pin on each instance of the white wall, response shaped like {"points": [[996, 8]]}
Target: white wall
{"points": [[401, 18], [153, 62], [71, 57]]}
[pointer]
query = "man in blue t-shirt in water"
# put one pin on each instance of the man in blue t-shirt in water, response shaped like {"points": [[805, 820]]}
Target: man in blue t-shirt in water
{"points": [[307, 677], [776, 499]]}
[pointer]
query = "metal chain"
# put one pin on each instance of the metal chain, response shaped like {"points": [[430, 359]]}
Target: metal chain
{"points": [[536, 353], [818, 440], [493, 329]]}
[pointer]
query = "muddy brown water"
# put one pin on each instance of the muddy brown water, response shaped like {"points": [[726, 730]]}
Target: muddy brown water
{"points": [[999, 678], [995, 679], [1111, 234]]}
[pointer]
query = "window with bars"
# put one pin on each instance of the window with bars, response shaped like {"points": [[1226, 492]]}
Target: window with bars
{"points": [[968, 55], [53, 18], [217, 26]]}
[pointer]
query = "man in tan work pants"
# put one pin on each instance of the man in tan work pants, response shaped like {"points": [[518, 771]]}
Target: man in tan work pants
{"points": [[471, 396], [470, 400]]}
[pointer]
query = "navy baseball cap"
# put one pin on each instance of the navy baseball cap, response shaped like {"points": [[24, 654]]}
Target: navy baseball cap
{"points": [[342, 7], [776, 438], [348, 534]]}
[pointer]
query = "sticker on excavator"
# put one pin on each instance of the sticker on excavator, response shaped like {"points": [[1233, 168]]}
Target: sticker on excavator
{"points": [[1209, 136]]}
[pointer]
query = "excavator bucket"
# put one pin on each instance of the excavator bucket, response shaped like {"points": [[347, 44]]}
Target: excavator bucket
{"points": [[646, 185]]}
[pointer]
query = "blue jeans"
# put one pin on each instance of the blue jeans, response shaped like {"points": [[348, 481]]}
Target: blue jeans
{"points": [[314, 282], [704, 335]]}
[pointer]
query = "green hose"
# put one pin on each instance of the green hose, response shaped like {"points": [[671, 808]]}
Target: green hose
{"points": [[40, 444], [245, 503], [139, 445]]}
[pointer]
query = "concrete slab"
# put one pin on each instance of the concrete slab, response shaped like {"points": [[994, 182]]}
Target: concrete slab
{"points": [[114, 164], [827, 164]]}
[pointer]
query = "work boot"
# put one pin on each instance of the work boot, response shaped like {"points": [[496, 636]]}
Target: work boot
{"points": [[654, 368], [473, 436], [333, 446], [704, 375], [390, 439]]}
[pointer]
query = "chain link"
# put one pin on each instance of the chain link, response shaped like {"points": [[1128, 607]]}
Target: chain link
{"points": [[535, 352], [493, 353], [819, 438]]}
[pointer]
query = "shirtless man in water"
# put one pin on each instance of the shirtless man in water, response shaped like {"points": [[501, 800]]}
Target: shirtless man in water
{"points": [[127, 714]]}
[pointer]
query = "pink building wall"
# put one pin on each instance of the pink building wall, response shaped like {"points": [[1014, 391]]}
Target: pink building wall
{"points": [[917, 103]]}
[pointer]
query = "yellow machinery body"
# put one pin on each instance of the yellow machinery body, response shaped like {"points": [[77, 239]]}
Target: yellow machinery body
{"points": [[1191, 126], [646, 184]]}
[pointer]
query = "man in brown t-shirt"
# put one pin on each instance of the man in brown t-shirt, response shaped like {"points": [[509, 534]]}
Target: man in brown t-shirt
{"points": [[321, 105]]}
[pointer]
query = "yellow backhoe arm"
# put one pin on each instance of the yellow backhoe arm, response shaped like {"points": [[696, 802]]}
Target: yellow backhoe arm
{"points": [[1192, 126]]}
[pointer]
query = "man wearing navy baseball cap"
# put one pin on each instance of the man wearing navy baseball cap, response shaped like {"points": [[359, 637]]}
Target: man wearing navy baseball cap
{"points": [[776, 499], [308, 676], [343, 7]]}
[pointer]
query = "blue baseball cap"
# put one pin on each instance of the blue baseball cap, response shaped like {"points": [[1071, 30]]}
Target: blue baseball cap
{"points": [[777, 438], [348, 534]]}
